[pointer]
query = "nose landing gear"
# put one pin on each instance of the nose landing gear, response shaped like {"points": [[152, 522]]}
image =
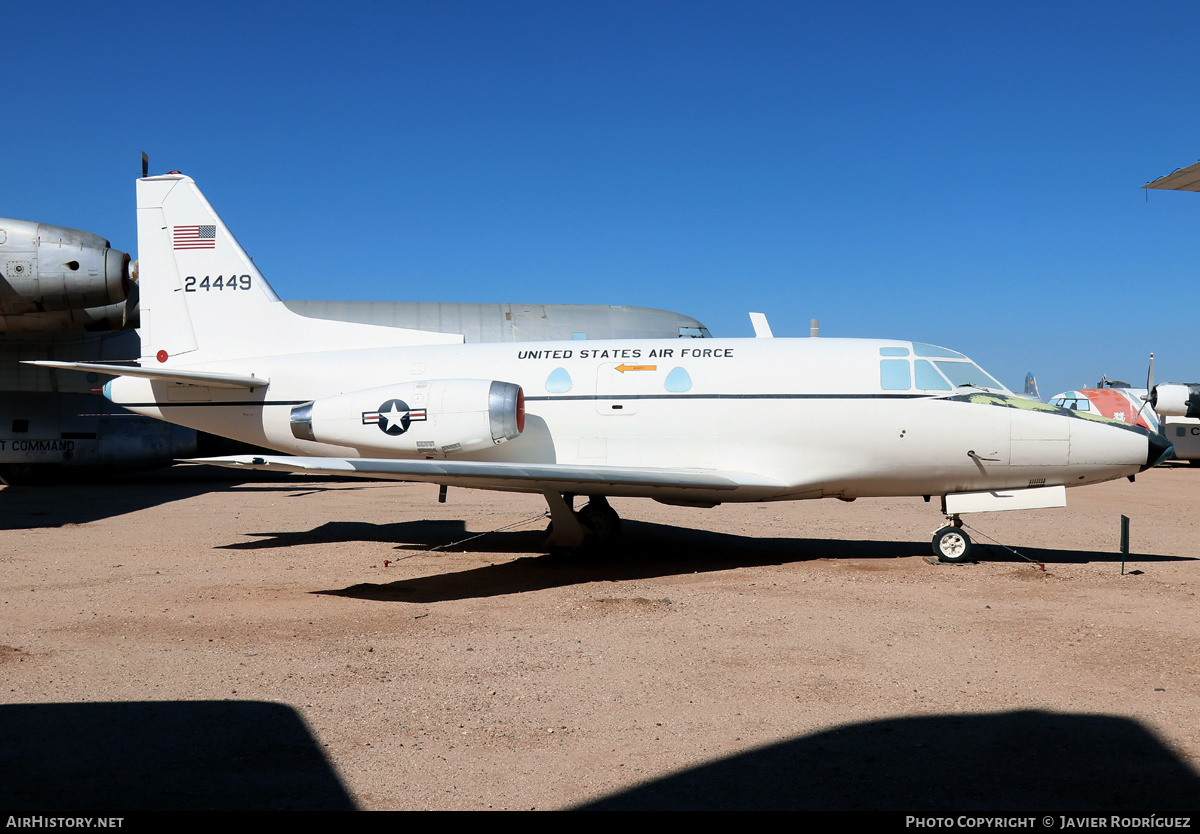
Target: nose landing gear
{"points": [[951, 544]]}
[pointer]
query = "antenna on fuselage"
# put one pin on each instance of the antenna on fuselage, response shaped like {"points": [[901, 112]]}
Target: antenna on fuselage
{"points": [[762, 329]]}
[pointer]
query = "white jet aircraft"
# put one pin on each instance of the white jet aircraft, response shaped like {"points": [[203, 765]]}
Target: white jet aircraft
{"points": [[682, 422]]}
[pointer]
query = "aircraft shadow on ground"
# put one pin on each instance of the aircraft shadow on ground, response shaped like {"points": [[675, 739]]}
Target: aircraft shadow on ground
{"points": [[647, 551], [162, 756], [33, 506], [1028, 762]]}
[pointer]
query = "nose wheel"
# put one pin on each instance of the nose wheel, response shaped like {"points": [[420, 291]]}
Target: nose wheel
{"points": [[952, 546]]}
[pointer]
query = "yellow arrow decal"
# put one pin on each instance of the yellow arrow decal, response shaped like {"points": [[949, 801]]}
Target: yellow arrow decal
{"points": [[624, 368]]}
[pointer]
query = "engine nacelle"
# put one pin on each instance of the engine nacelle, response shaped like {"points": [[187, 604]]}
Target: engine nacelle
{"points": [[432, 417], [1176, 399], [45, 268]]}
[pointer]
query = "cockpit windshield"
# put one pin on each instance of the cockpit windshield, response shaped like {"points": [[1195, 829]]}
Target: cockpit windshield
{"points": [[967, 373], [939, 370]]}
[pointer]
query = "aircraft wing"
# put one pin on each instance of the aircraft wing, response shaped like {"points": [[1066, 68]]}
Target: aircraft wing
{"points": [[1183, 179], [201, 378], [512, 477]]}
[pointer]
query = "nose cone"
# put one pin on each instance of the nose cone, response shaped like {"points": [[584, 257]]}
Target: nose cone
{"points": [[1160, 449], [1105, 449]]}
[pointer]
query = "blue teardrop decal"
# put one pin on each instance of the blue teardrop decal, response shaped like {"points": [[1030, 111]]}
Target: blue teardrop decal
{"points": [[559, 381], [678, 381]]}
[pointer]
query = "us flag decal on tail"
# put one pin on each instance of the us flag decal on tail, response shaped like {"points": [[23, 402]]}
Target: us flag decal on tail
{"points": [[195, 237]]}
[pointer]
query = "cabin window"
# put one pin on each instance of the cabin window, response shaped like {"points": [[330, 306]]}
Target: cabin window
{"points": [[894, 375], [678, 381], [928, 379], [559, 381], [579, 337], [1074, 403], [1180, 431]]}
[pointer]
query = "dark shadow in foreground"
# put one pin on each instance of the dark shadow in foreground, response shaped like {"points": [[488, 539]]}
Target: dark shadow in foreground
{"points": [[647, 551], [1018, 762], [37, 506], [162, 756]]}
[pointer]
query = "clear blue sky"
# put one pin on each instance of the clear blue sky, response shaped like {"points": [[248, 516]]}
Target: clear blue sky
{"points": [[959, 173]]}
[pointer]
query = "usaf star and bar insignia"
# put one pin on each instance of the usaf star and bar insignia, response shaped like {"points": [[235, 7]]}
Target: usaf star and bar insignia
{"points": [[393, 417]]}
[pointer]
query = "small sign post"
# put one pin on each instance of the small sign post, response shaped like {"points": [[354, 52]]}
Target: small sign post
{"points": [[1124, 542]]}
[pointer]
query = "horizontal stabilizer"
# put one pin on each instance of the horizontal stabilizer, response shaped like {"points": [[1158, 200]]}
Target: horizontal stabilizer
{"points": [[201, 378], [515, 477]]}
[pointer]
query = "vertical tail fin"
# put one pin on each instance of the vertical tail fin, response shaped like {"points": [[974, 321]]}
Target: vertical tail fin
{"points": [[203, 299], [1031, 388]]}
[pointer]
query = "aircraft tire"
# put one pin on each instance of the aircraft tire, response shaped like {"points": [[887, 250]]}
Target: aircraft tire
{"points": [[952, 546], [602, 522]]}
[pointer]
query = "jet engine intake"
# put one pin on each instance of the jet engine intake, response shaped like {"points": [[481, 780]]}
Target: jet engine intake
{"points": [[45, 268], [1176, 399], [435, 417]]}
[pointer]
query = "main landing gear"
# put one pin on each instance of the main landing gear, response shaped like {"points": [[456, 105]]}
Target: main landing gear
{"points": [[595, 524], [951, 544]]}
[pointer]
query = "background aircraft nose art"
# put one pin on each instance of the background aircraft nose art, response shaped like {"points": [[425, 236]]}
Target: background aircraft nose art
{"points": [[1120, 404]]}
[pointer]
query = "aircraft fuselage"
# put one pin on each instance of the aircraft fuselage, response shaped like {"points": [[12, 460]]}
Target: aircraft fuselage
{"points": [[797, 418]]}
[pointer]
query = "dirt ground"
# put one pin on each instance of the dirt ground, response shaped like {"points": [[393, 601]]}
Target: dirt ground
{"points": [[194, 639]]}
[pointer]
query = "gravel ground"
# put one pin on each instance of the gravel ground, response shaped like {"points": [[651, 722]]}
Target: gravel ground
{"points": [[195, 640]]}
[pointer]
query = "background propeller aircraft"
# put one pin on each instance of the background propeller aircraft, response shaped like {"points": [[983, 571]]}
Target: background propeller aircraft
{"points": [[694, 423], [1169, 408]]}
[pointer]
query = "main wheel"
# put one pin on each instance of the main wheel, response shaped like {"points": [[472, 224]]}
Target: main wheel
{"points": [[601, 521], [952, 545]]}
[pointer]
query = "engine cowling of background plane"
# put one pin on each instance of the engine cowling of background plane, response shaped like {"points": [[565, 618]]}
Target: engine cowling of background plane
{"points": [[48, 268], [1176, 399], [434, 417]]}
